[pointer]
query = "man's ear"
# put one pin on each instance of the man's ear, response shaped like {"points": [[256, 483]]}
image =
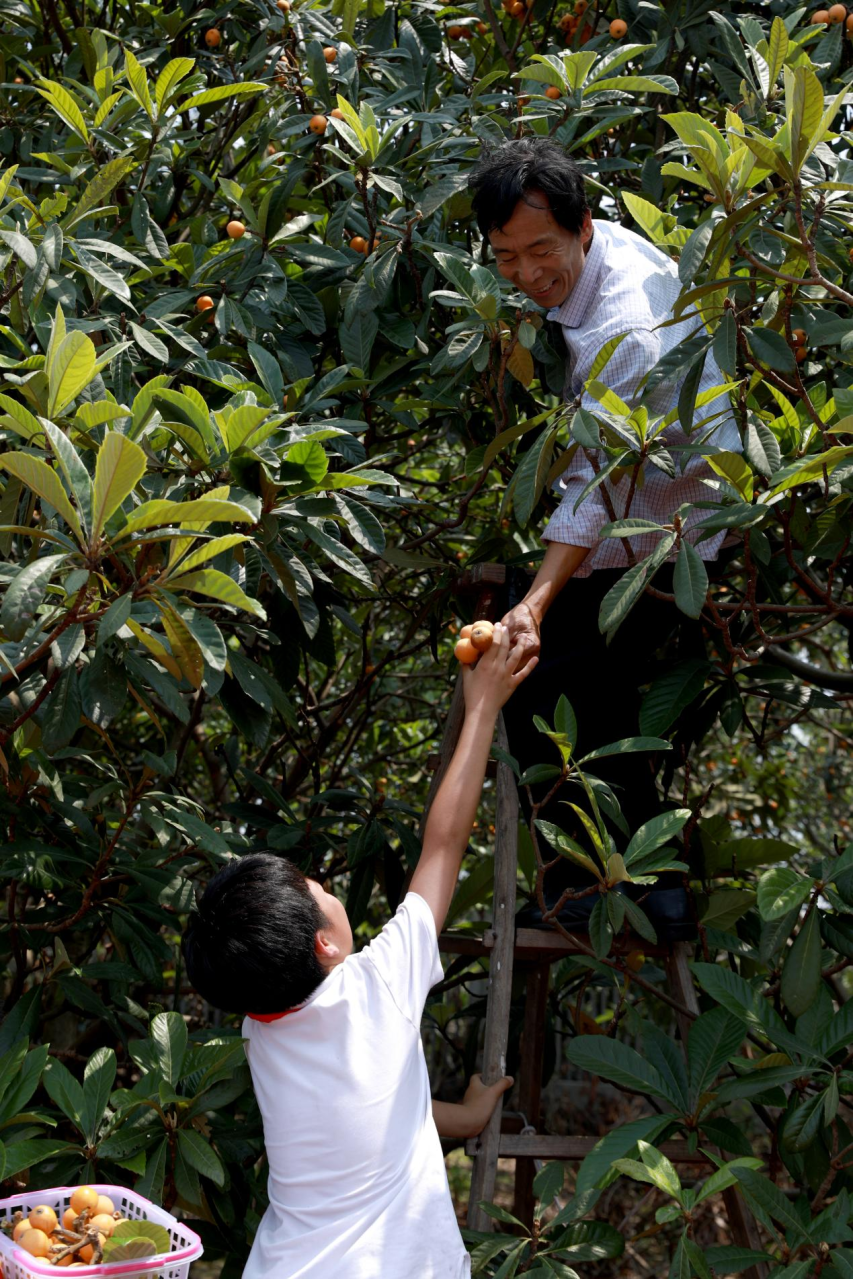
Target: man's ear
{"points": [[586, 229]]}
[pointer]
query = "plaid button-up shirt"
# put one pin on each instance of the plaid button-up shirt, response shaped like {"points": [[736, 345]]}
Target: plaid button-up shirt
{"points": [[629, 286]]}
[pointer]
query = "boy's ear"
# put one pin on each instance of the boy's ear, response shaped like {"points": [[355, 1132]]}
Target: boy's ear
{"points": [[325, 949]]}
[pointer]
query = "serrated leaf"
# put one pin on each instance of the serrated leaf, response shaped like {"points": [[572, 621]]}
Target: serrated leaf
{"points": [[119, 467], [70, 369], [20, 245], [39, 477], [218, 586], [690, 580], [221, 93], [801, 971], [781, 890], [25, 593]]}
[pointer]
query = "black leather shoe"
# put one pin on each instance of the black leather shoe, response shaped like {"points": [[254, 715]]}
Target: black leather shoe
{"points": [[667, 908]]}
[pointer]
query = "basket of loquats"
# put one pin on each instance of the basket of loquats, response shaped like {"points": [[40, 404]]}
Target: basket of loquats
{"points": [[94, 1230]]}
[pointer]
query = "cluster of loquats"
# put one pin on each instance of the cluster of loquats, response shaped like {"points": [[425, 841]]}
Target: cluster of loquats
{"points": [[359, 244], [799, 345], [474, 639], [574, 21], [458, 32], [833, 17], [78, 1240]]}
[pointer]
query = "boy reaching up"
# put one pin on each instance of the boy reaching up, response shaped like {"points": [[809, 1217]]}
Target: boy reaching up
{"points": [[357, 1183]]}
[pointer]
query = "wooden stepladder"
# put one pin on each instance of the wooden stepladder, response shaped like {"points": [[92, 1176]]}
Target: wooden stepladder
{"points": [[530, 952]]}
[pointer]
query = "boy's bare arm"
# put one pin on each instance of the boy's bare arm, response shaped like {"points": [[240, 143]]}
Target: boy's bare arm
{"points": [[487, 686], [470, 1116]]}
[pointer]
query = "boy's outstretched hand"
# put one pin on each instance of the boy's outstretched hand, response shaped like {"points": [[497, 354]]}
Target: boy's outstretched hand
{"points": [[487, 686], [469, 1117], [496, 675]]}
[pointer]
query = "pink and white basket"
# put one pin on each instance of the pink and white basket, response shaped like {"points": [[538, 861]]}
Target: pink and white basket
{"points": [[185, 1248]]}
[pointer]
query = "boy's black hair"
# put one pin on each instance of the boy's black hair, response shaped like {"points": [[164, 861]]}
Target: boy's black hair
{"points": [[249, 945], [508, 172]]}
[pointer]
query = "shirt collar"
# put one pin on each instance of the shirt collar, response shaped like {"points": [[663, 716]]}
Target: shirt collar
{"points": [[572, 313]]}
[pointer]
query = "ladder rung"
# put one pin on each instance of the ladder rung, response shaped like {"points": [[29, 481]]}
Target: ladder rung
{"points": [[542, 1146], [542, 944]]}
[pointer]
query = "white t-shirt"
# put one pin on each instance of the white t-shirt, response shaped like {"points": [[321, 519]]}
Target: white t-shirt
{"points": [[357, 1183]]}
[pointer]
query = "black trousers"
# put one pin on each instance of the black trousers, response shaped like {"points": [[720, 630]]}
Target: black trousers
{"points": [[603, 685]]}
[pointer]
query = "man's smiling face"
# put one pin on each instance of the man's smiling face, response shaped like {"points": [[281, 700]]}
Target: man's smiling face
{"points": [[540, 257]]}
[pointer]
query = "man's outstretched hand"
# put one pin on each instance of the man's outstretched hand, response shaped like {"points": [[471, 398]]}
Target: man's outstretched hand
{"points": [[560, 562], [523, 627]]}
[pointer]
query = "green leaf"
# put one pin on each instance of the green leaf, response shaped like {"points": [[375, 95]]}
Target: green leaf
{"points": [[663, 1173], [115, 617], [169, 1040], [548, 1183], [656, 832], [98, 1079], [170, 77], [769, 1198], [64, 1090], [737, 855], [76, 476], [531, 475], [733, 468], [138, 81], [597, 1167], [780, 890], [21, 245], [730, 1259], [103, 689], [65, 106], [70, 369], [218, 586], [671, 693], [690, 581], [725, 344], [714, 1038], [25, 593], [221, 93], [802, 968], [600, 931], [39, 477], [771, 348], [622, 597], [192, 515], [119, 467], [200, 1155], [563, 844], [106, 178], [589, 1241], [620, 1064], [628, 746], [61, 716], [804, 1123], [777, 49], [24, 1154]]}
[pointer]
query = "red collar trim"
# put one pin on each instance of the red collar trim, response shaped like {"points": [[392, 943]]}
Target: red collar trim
{"points": [[271, 1016]]}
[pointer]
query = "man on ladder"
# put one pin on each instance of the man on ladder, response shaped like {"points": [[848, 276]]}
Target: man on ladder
{"points": [[598, 281]]}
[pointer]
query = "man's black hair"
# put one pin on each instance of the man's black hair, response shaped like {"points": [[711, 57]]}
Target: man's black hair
{"points": [[249, 945], [507, 173]]}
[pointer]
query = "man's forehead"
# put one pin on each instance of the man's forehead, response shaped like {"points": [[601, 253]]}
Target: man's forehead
{"points": [[532, 218]]}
